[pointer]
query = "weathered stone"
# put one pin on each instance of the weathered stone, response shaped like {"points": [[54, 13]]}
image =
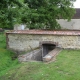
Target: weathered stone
{"points": [[47, 58], [51, 54], [34, 55], [25, 42]]}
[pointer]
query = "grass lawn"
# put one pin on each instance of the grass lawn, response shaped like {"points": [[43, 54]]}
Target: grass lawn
{"points": [[66, 67]]}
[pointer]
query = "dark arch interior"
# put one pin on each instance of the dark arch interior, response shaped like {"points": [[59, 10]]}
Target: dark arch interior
{"points": [[46, 48]]}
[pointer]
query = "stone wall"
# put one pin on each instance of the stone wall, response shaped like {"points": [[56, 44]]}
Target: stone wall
{"points": [[25, 42], [71, 25]]}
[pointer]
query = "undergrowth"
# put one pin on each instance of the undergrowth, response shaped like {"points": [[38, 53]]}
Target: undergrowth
{"points": [[6, 61], [2, 40]]}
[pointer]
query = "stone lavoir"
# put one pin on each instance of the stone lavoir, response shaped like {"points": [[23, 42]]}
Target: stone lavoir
{"points": [[47, 41]]}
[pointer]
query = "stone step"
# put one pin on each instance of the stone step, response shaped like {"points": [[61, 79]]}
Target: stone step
{"points": [[51, 54], [34, 55]]}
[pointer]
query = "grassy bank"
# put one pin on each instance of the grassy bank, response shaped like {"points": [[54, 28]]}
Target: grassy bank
{"points": [[6, 61], [66, 66], [2, 40]]}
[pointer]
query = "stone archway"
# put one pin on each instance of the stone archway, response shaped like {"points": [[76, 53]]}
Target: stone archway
{"points": [[47, 46]]}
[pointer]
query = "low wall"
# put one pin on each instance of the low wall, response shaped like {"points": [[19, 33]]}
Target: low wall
{"points": [[30, 39]]}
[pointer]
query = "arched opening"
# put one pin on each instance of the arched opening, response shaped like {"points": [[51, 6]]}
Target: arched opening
{"points": [[46, 48], [45, 53]]}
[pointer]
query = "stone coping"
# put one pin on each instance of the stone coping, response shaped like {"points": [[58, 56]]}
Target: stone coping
{"points": [[48, 32]]}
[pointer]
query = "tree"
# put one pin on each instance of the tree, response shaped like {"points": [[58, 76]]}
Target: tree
{"points": [[9, 12], [45, 12], [38, 14]]}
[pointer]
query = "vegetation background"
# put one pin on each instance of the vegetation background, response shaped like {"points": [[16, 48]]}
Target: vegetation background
{"points": [[36, 14]]}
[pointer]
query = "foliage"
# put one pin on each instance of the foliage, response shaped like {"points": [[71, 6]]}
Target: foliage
{"points": [[38, 14], [9, 12], [6, 61], [43, 13], [2, 40]]}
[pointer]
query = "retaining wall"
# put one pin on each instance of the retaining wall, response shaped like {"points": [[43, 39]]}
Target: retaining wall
{"points": [[30, 39]]}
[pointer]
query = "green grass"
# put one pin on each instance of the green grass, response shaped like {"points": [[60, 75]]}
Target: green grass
{"points": [[2, 40], [6, 61], [66, 67]]}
